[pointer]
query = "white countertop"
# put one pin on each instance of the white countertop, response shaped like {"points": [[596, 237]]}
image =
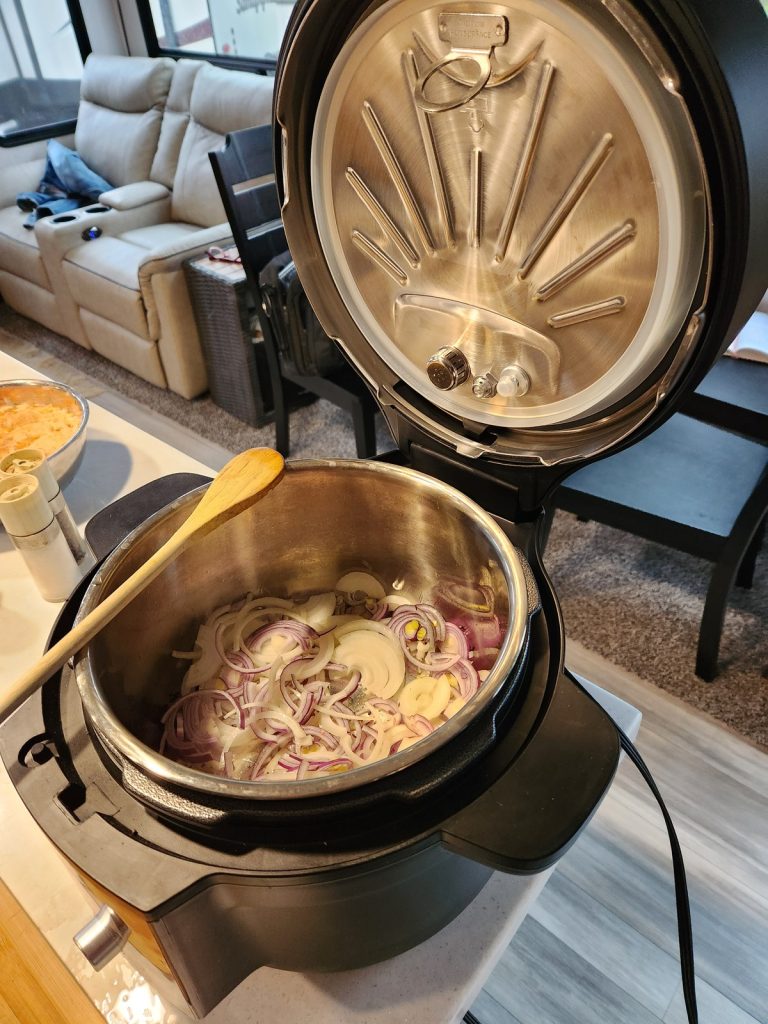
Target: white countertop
{"points": [[432, 984]]}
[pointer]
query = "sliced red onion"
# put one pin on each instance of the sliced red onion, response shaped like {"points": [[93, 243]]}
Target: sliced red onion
{"points": [[468, 679], [385, 705], [481, 632], [303, 634], [261, 762], [337, 762], [307, 709], [346, 691], [380, 611], [197, 758], [287, 698], [419, 724], [218, 642], [322, 735], [280, 701], [206, 694], [289, 763], [366, 747], [268, 735]]}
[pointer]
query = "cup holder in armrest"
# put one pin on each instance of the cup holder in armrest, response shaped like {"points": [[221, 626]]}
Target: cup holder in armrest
{"points": [[97, 209], [63, 218]]}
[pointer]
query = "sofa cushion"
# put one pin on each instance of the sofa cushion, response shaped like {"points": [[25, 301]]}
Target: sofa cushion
{"points": [[226, 101], [123, 347], [222, 101], [19, 252], [103, 277], [130, 84], [120, 114], [175, 120]]}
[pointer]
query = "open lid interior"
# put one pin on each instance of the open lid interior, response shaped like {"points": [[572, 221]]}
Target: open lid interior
{"points": [[513, 212]]}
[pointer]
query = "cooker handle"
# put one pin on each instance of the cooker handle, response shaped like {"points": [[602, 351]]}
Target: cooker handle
{"points": [[529, 816]]}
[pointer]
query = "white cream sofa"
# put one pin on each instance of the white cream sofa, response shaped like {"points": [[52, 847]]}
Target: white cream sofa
{"points": [[147, 126]]}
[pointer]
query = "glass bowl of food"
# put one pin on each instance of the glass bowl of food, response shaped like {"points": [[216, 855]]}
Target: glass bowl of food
{"points": [[45, 415]]}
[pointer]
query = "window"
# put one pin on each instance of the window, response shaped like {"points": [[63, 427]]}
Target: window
{"points": [[42, 47], [236, 33]]}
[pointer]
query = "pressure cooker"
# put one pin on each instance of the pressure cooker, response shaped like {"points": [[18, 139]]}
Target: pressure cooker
{"points": [[532, 226]]}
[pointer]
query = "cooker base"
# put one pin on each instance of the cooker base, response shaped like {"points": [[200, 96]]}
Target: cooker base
{"points": [[192, 897]]}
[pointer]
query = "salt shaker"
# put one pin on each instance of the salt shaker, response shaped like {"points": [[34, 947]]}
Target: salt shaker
{"points": [[34, 462], [37, 536]]}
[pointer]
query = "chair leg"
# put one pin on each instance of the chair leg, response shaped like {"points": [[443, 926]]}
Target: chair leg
{"points": [[712, 620], [738, 544], [746, 573], [363, 419]]}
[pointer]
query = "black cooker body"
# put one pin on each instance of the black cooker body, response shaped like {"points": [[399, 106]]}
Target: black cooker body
{"points": [[227, 889]]}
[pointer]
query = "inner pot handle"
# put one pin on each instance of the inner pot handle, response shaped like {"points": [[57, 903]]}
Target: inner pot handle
{"points": [[528, 817]]}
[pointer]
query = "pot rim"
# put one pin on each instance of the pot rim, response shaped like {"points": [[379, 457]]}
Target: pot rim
{"points": [[121, 741]]}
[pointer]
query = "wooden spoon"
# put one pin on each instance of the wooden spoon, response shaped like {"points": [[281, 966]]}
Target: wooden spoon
{"points": [[240, 484]]}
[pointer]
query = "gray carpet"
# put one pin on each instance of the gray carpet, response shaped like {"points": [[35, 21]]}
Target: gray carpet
{"points": [[319, 430], [636, 603], [639, 604]]}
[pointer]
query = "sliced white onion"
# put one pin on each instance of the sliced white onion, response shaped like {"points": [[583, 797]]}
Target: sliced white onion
{"points": [[360, 583], [377, 656], [425, 695]]}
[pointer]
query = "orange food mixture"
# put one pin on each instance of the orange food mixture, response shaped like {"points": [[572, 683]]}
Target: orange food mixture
{"points": [[35, 423]]}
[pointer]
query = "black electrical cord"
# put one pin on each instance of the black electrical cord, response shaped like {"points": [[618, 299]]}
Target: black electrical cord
{"points": [[684, 931]]}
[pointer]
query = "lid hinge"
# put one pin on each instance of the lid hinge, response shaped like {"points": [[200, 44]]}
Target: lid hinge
{"points": [[513, 493]]}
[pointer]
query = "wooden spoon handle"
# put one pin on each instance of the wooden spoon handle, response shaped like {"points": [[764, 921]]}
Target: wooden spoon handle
{"points": [[85, 630], [243, 481]]}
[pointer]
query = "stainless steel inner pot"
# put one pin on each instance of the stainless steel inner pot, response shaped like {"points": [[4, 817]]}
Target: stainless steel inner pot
{"points": [[323, 519]]}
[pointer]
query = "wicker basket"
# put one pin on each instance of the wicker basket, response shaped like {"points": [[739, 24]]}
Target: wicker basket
{"points": [[238, 373]]}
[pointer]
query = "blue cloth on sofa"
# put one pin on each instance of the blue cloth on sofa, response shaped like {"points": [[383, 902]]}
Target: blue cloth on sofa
{"points": [[67, 183]]}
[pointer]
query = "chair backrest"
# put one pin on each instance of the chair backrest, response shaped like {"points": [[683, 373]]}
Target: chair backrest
{"points": [[222, 102], [244, 173], [121, 110]]}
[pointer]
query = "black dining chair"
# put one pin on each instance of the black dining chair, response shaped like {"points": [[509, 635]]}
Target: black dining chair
{"points": [[244, 172], [733, 395], [691, 486]]}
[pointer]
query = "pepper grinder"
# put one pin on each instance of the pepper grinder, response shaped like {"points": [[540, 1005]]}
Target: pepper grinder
{"points": [[32, 461], [37, 536]]}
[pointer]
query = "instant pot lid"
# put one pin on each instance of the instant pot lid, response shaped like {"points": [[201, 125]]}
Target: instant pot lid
{"points": [[510, 217]]}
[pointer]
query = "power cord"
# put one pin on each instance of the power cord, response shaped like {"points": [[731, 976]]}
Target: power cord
{"points": [[684, 930]]}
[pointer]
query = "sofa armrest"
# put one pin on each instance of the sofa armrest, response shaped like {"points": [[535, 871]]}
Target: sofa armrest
{"points": [[57, 235], [171, 256], [23, 177], [129, 197]]}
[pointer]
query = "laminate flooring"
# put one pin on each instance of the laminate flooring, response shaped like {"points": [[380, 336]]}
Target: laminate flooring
{"points": [[600, 944]]}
